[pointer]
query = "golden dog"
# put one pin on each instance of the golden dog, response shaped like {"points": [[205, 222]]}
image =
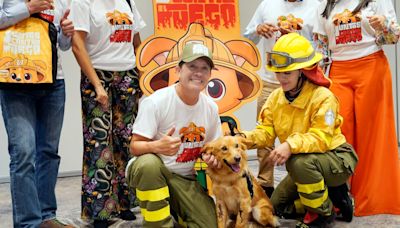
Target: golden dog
{"points": [[236, 190]]}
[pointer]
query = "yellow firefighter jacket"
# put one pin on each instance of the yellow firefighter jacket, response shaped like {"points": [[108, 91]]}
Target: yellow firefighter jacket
{"points": [[309, 124]]}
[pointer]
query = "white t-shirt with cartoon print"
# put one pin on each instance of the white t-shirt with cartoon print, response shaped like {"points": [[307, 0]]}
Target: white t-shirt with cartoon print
{"points": [[110, 26], [195, 125], [270, 12], [351, 36]]}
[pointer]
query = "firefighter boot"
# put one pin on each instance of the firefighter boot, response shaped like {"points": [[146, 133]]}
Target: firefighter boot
{"points": [[341, 200], [314, 220]]}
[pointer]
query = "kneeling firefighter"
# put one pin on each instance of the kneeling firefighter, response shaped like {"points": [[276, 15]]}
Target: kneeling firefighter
{"points": [[303, 114]]}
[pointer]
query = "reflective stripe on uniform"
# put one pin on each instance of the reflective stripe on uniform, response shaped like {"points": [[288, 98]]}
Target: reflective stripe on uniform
{"points": [[153, 195], [325, 137], [299, 207], [269, 129], [314, 203], [155, 216], [310, 188]]}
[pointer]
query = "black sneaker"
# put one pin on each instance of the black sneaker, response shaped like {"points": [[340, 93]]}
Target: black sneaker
{"points": [[127, 215], [341, 200], [314, 220], [97, 223], [268, 190]]}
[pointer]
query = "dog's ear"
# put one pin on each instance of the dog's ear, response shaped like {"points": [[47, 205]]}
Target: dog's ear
{"points": [[207, 149]]}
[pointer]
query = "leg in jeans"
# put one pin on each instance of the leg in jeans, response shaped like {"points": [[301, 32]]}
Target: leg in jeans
{"points": [[19, 113], [50, 115]]}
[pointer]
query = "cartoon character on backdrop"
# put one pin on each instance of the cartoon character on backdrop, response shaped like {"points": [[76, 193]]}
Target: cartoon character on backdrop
{"points": [[21, 69], [233, 82]]}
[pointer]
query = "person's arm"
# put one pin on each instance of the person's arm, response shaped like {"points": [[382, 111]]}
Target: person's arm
{"points": [[321, 43], [387, 30], [83, 59], [321, 39], [264, 134], [166, 145], [65, 32], [136, 42], [12, 11], [257, 27], [318, 138], [210, 159], [324, 123]]}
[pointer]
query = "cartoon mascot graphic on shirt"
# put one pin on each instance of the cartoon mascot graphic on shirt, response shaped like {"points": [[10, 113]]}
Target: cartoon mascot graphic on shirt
{"points": [[233, 82], [118, 18], [122, 26], [192, 138], [347, 27]]}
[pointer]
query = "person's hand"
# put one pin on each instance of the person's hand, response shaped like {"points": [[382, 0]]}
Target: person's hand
{"points": [[67, 26], [280, 154], [36, 6], [377, 22], [286, 30], [101, 96], [211, 161], [168, 145], [267, 30]]}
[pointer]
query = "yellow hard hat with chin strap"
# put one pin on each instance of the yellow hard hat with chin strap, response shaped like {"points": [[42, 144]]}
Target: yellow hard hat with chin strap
{"points": [[291, 52]]}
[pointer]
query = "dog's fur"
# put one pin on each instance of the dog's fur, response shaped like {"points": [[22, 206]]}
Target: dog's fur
{"points": [[229, 184]]}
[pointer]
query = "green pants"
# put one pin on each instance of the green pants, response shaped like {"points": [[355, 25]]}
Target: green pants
{"points": [[161, 192], [308, 179]]}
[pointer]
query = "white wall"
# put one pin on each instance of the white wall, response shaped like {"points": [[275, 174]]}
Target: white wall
{"points": [[71, 138]]}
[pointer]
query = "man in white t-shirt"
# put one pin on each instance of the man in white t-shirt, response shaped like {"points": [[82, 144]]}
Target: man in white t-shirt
{"points": [[172, 126]]}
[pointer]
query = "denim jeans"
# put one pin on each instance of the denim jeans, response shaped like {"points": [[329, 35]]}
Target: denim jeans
{"points": [[33, 121]]}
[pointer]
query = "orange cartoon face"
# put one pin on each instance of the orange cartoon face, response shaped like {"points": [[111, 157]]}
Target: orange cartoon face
{"points": [[290, 22], [118, 18], [346, 17], [21, 70], [192, 133], [231, 84]]}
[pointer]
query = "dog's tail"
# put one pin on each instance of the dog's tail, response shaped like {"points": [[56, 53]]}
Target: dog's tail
{"points": [[265, 217], [274, 221]]}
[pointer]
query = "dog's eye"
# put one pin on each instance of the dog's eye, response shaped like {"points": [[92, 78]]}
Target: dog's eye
{"points": [[224, 148], [237, 145]]}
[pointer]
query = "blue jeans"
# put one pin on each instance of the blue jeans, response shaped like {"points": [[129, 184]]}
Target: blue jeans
{"points": [[33, 121]]}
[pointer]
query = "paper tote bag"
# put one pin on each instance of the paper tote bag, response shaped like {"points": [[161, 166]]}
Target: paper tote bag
{"points": [[28, 55]]}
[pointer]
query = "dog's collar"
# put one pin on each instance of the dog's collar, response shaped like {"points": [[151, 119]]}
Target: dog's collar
{"points": [[249, 183]]}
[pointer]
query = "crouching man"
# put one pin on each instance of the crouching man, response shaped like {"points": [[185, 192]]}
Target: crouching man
{"points": [[172, 126]]}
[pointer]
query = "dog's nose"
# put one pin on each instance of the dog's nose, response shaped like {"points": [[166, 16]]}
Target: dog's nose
{"points": [[237, 159]]}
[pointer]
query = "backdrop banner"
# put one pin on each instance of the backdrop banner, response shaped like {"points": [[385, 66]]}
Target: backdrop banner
{"points": [[214, 23]]}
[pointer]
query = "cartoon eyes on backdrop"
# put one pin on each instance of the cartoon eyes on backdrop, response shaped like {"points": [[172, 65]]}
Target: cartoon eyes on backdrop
{"points": [[232, 85]]}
